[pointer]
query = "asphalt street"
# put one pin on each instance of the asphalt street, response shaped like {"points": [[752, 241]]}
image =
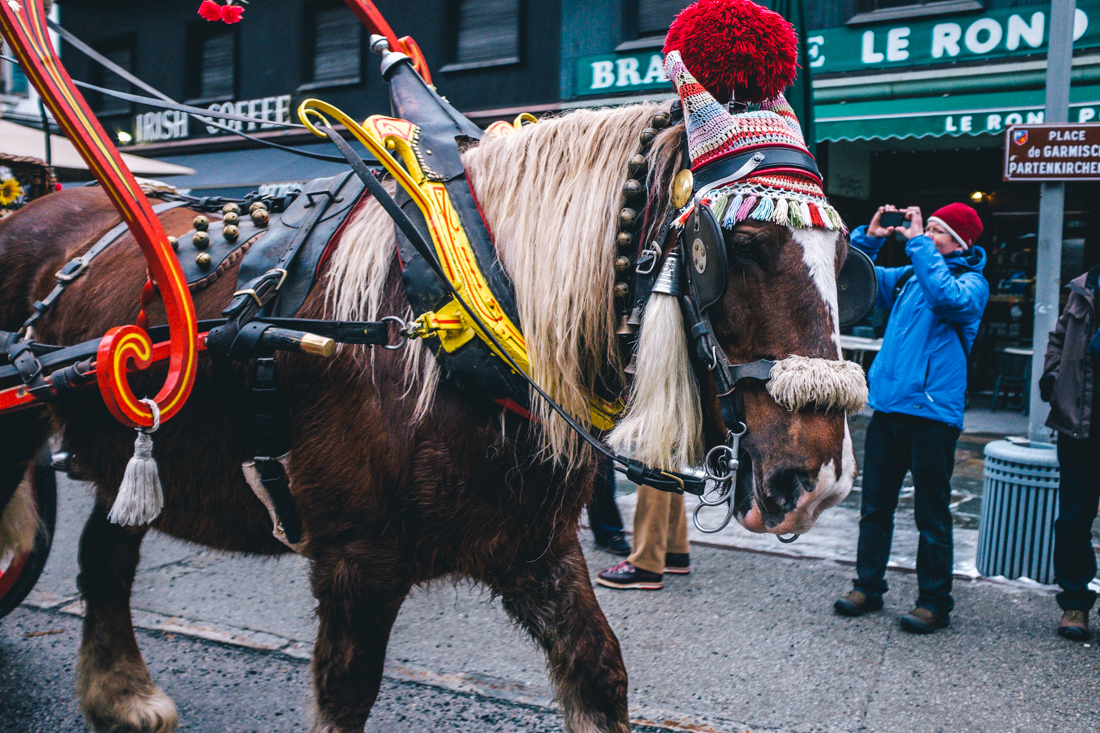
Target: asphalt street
{"points": [[747, 642]]}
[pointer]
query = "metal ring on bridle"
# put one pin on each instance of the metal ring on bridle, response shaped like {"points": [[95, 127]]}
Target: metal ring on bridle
{"points": [[403, 329], [787, 540], [722, 458]]}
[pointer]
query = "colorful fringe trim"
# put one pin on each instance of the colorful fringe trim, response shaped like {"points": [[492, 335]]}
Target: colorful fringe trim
{"points": [[731, 207]]}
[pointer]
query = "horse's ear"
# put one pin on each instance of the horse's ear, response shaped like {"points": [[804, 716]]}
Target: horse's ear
{"points": [[780, 106]]}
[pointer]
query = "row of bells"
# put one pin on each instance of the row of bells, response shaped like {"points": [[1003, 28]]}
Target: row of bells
{"points": [[630, 222], [231, 215]]}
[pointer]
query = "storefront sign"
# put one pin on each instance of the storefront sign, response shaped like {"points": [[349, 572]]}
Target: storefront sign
{"points": [[1052, 152], [984, 35], [170, 125]]}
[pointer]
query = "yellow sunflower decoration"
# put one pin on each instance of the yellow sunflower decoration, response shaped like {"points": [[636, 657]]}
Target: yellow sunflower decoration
{"points": [[10, 191]]}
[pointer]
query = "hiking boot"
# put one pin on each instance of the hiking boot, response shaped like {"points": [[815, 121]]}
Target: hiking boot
{"points": [[1074, 625], [616, 544], [857, 603], [922, 621], [625, 576], [677, 563]]}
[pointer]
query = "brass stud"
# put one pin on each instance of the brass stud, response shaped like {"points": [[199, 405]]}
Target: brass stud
{"points": [[204, 260], [621, 263], [622, 290], [636, 163], [647, 135], [201, 223], [257, 205], [174, 242], [624, 239], [632, 188], [660, 120], [201, 240], [231, 209], [231, 232], [682, 186], [230, 217], [260, 217], [627, 217]]}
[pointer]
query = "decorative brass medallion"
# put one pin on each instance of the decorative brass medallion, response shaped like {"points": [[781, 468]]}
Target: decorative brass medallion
{"points": [[699, 256], [682, 186]]}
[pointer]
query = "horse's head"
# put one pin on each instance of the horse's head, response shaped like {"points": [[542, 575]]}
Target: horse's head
{"points": [[781, 301]]}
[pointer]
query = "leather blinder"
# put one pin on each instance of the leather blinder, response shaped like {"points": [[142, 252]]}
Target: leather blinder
{"points": [[707, 263]]}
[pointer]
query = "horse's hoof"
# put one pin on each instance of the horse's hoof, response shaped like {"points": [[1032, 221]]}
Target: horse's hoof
{"points": [[135, 712]]}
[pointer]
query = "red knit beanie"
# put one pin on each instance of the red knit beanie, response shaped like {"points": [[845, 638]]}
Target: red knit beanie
{"points": [[960, 221]]}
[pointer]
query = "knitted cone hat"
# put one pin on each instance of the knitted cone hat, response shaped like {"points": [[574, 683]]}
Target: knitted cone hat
{"points": [[747, 51]]}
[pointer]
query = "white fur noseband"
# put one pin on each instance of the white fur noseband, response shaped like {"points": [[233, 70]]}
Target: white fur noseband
{"points": [[800, 381]]}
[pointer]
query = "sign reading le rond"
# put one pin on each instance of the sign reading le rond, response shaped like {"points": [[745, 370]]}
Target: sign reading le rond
{"points": [[1069, 152]]}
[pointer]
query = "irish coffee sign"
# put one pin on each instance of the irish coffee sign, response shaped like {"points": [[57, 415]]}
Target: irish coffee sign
{"points": [[1052, 152]]}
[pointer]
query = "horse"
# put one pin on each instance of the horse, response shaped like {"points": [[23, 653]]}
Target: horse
{"points": [[401, 478]]}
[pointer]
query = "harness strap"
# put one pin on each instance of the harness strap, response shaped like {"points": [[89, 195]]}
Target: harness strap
{"points": [[270, 440], [76, 267]]}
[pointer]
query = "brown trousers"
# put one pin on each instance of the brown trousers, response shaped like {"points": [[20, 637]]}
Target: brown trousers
{"points": [[660, 526]]}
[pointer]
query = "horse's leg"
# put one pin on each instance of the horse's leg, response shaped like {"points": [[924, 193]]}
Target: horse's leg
{"points": [[554, 601], [21, 435], [116, 691], [357, 604]]}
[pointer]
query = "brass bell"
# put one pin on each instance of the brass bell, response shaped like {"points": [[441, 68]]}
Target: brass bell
{"points": [[627, 217], [636, 163], [622, 290], [660, 120], [647, 136], [204, 260], [231, 232], [632, 367], [624, 239], [257, 205], [635, 317], [201, 223], [681, 189], [174, 242], [230, 217], [632, 188], [624, 328], [260, 217], [201, 240], [621, 263], [231, 209]]}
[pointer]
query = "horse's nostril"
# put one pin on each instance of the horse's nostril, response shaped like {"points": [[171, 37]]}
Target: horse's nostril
{"points": [[781, 491]]}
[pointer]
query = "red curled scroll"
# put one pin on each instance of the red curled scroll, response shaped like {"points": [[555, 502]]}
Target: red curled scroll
{"points": [[125, 348]]}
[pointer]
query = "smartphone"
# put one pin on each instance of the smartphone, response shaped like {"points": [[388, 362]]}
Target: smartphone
{"points": [[893, 219]]}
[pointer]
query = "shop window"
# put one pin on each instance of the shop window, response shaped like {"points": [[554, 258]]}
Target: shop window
{"points": [[486, 33], [12, 80], [871, 11], [213, 54], [645, 22], [121, 53], [335, 46]]}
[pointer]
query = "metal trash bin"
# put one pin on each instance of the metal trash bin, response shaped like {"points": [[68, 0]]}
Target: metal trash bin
{"points": [[1019, 506]]}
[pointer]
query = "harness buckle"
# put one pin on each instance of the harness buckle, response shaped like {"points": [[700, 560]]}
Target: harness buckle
{"points": [[71, 271]]}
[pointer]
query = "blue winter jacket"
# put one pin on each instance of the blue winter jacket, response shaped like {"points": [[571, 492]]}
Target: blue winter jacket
{"points": [[921, 369]]}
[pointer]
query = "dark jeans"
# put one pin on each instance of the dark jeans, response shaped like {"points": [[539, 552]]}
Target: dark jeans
{"points": [[603, 512], [1078, 495], [895, 445]]}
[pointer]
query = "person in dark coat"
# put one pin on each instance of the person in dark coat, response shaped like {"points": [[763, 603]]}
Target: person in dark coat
{"points": [[603, 512], [1069, 386], [918, 392]]}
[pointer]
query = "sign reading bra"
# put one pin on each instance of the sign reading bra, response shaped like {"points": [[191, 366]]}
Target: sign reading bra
{"points": [[1054, 152]]}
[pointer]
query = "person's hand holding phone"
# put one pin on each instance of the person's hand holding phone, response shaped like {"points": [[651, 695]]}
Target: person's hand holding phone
{"points": [[916, 222], [884, 222]]}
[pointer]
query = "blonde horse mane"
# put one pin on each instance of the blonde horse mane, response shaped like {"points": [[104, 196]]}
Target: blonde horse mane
{"points": [[551, 195]]}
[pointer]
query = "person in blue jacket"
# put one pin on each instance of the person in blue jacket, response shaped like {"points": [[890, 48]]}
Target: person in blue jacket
{"points": [[918, 393]]}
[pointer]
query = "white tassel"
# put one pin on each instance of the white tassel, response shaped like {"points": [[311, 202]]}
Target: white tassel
{"points": [[140, 497]]}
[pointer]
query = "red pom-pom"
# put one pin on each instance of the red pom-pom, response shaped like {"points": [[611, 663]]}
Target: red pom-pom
{"points": [[736, 49]]}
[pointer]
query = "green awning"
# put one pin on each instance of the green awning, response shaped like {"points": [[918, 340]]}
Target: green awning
{"points": [[955, 115]]}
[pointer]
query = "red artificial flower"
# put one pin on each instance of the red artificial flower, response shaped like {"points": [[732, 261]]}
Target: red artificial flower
{"points": [[210, 10], [232, 14]]}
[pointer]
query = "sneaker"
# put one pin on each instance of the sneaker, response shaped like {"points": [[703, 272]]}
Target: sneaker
{"points": [[625, 576], [616, 544], [1074, 625], [922, 621], [677, 563], [857, 603]]}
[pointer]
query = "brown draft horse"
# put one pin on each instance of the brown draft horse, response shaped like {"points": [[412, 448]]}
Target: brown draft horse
{"points": [[399, 477]]}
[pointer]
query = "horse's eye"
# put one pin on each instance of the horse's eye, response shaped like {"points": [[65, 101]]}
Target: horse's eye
{"points": [[741, 245]]}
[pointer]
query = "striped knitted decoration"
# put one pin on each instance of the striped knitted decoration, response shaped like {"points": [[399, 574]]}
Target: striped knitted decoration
{"points": [[713, 133]]}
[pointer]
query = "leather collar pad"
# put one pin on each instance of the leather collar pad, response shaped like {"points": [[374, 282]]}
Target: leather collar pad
{"points": [[705, 257], [775, 157]]}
